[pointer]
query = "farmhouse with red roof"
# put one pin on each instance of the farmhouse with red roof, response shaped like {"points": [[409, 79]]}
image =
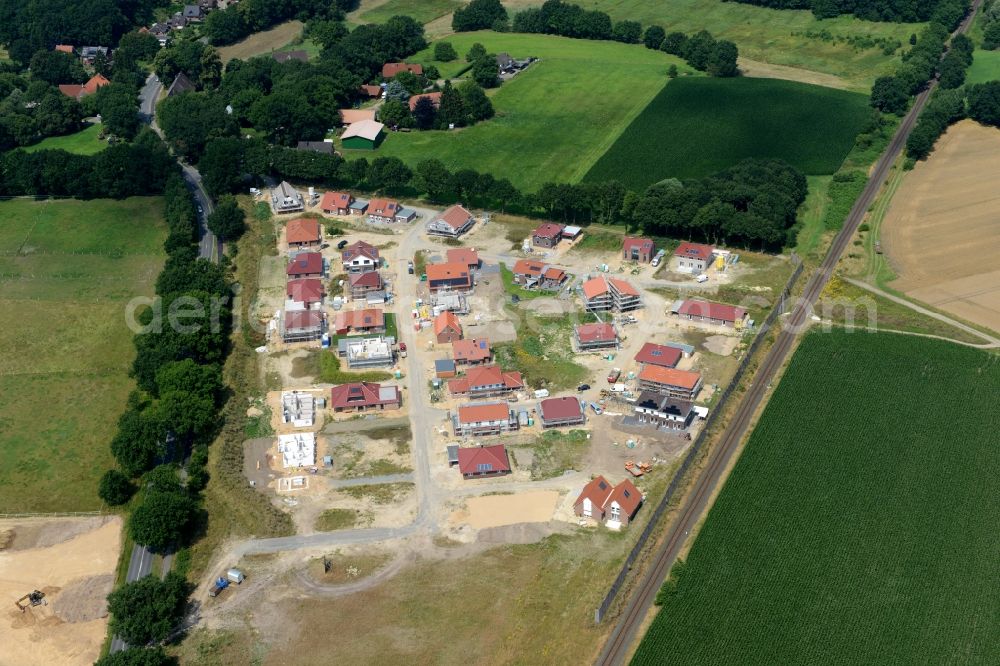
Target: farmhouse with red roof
{"points": [[336, 203], [302, 232], [306, 265], [558, 412], [660, 355], [471, 352], [452, 222]]}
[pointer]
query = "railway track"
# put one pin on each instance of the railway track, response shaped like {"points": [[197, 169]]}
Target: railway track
{"points": [[618, 644]]}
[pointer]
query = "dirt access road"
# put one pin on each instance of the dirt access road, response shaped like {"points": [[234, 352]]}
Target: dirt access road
{"points": [[941, 233], [620, 641]]}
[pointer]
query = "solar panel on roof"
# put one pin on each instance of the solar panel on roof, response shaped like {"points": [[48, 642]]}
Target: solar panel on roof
{"points": [[626, 493], [484, 467], [656, 352]]}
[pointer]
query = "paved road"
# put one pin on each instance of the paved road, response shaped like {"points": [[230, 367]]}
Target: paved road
{"points": [[619, 643], [141, 561]]}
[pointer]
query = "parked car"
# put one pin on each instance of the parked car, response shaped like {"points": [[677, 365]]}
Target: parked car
{"points": [[409, 267], [341, 245], [583, 387]]}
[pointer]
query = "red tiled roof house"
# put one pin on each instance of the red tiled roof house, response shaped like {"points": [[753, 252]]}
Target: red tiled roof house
{"points": [[369, 320], [483, 461], [595, 336], [361, 284], [602, 293], [449, 276], [360, 257], [683, 384], [447, 328], [362, 396], [480, 419], [547, 235], [306, 265], [659, 355], [304, 294], [486, 381], [637, 249], [463, 255], [712, 313], [452, 222], [531, 274], [614, 506], [336, 203], [559, 412], [391, 69], [471, 352], [303, 232]]}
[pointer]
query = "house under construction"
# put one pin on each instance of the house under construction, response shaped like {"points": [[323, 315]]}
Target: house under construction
{"points": [[299, 409]]}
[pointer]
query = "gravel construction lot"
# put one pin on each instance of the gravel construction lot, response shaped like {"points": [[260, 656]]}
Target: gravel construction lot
{"points": [[942, 235], [73, 562]]}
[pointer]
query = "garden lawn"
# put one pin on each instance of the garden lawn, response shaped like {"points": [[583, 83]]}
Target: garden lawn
{"points": [[985, 67], [67, 270], [774, 35], [553, 120], [699, 126], [859, 525], [84, 142]]}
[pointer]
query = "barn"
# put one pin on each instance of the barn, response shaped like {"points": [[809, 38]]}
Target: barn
{"points": [[363, 135]]}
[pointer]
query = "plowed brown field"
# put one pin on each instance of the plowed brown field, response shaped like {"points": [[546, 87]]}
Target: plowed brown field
{"points": [[942, 231]]}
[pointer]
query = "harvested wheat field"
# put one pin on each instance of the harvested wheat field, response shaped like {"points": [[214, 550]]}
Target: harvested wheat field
{"points": [[73, 562], [942, 231]]}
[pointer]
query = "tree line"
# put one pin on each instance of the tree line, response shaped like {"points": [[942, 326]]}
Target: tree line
{"points": [[555, 17], [991, 25], [237, 21], [892, 93], [946, 12], [752, 204], [172, 416], [979, 102]]}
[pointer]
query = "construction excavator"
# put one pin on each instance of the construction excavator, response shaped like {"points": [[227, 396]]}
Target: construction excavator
{"points": [[36, 598]]}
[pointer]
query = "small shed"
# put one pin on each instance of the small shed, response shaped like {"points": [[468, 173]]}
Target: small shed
{"points": [[452, 455], [444, 368]]}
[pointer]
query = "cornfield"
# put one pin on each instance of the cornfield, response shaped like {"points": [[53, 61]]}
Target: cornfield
{"points": [[860, 524]]}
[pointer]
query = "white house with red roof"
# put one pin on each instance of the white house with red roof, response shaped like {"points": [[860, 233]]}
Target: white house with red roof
{"points": [[615, 506], [360, 257], [485, 418], [693, 257], [452, 222]]}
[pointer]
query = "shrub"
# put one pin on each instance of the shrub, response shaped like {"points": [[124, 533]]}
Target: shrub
{"points": [[115, 488]]}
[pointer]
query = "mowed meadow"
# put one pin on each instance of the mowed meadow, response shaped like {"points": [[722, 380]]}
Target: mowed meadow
{"points": [[859, 525], [67, 270], [698, 126], [777, 36], [553, 120]]}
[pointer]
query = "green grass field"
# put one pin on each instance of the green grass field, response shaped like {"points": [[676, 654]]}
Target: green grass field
{"points": [[985, 67], [84, 142], [859, 525], [772, 35], [423, 11], [67, 270], [698, 126], [554, 119]]}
